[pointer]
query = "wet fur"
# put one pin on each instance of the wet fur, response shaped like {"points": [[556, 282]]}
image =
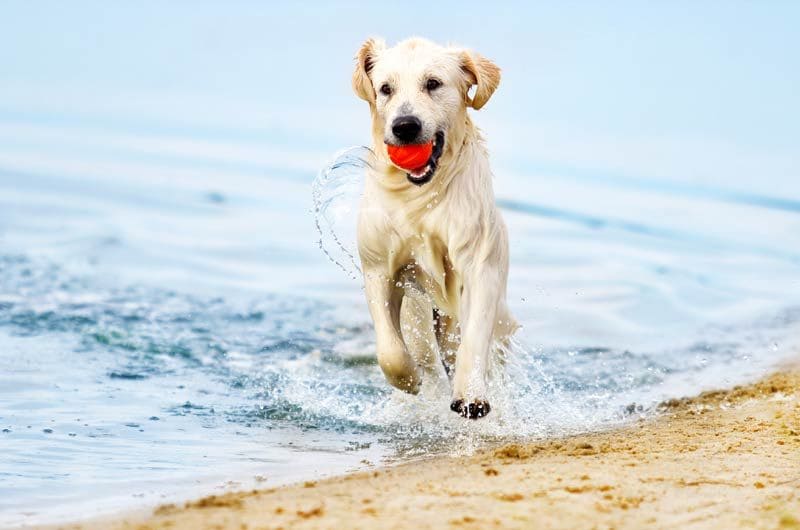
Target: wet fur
{"points": [[435, 257]]}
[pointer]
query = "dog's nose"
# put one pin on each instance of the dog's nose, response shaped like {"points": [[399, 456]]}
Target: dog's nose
{"points": [[406, 128]]}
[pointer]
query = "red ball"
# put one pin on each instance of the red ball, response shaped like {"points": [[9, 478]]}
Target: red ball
{"points": [[410, 156]]}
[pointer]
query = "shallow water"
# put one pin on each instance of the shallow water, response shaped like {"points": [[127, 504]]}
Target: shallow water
{"points": [[169, 325]]}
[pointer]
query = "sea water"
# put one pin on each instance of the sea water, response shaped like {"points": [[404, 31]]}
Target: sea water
{"points": [[181, 310]]}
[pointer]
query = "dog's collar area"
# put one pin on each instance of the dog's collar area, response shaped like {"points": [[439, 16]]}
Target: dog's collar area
{"points": [[427, 171]]}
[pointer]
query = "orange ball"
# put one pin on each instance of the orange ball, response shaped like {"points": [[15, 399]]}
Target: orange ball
{"points": [[410, 156]]}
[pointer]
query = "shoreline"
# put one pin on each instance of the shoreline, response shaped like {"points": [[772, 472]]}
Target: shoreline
{"points": [[725, 458]]}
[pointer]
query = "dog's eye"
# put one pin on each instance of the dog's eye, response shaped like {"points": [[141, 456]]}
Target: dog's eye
{"points": [[386, 90], [433, 84]]}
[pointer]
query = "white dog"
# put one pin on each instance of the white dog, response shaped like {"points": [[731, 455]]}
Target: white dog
{"points": [[433, 247]]}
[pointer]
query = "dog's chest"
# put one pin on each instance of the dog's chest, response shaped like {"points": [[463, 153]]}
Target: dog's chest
{"points": [[425, 253]]}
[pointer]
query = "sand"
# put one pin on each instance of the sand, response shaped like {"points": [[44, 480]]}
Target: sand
{"points": [[724, 459]]}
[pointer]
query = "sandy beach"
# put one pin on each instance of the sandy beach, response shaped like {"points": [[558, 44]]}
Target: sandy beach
{"points": [[723, 459]]}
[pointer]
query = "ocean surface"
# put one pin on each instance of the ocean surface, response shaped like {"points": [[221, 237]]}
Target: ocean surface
{"points": [[170, 324]]}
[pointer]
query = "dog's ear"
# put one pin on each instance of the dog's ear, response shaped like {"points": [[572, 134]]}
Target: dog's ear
{"points": [[365, 60], [481, 72]]}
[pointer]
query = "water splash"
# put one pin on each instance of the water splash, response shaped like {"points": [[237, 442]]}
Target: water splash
{"points": [[336, 192]]}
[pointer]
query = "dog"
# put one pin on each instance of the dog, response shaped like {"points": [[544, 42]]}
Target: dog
{"points": [[432, 244]]}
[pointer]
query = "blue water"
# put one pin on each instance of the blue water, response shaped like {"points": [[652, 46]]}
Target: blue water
{"points": [[170, 327]]}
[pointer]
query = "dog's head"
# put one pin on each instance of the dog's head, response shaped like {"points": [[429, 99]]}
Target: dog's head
{"points": [[418, 93]]}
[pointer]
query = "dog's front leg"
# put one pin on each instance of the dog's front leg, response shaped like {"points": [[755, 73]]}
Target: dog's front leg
{"points": [[384, 299], [479, 299]]}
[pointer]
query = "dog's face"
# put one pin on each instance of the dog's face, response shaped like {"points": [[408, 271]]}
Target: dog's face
{"points": [[418, 92]]}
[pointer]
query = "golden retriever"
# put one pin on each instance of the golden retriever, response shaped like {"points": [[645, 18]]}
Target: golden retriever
{"points": [[432, 243]]}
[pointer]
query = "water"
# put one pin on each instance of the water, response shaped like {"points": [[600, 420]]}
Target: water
{"points": [[169, 326]]}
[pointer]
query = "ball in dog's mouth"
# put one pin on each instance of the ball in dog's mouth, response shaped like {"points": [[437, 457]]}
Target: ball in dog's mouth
{"points": [[412, 158]]}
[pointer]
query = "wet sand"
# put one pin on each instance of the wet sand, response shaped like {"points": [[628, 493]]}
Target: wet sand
{"points": [[723, 459]]}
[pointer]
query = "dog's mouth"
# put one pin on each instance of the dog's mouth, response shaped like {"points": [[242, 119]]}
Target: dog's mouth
{"points": [[424, 174], [419, 161]]}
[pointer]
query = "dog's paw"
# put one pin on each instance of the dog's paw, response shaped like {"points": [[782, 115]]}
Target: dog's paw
{"points": [[476, 409], [457, 406]]}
